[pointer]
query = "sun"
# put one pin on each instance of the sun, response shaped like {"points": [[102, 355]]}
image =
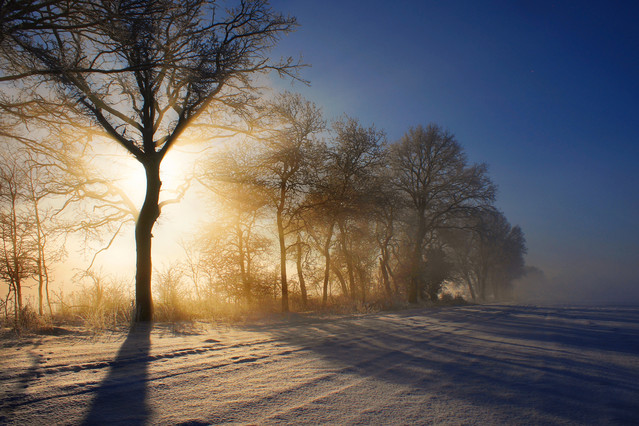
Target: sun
{"points": [[176, 168]]}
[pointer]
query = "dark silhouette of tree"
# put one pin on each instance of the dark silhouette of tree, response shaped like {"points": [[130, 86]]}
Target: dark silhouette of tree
{"points": [[319, 223], [352, 161], [436, 270], [463, 244], [387, 228], [19, 18], [143, 73], [487, 253], [501, 249], [437, 184]]}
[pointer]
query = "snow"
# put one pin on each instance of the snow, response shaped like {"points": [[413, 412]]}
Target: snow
{"points": [[491, 364]]}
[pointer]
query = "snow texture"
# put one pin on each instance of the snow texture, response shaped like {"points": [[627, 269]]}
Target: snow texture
{"points": [[495, 364]]}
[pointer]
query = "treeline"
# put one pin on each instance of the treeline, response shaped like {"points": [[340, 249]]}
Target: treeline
{"points": [[332, 208], [348, 214]]}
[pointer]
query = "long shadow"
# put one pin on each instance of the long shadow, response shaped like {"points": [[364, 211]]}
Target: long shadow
{"points": [[508, 359], [122, 396], [18, 392]]}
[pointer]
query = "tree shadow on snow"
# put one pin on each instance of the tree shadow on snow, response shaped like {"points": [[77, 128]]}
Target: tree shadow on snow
{"points": [[511, 360], [121, 397], [18, 393]]}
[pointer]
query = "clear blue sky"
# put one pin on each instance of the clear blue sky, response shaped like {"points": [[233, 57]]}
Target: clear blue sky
{"points": [[546, 93]]}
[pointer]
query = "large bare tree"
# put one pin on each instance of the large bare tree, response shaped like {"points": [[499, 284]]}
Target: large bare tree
{"points": [[143, 72], [438, 186]]}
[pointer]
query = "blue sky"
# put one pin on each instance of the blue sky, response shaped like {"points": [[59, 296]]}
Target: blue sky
{"points": [[546, 93]]}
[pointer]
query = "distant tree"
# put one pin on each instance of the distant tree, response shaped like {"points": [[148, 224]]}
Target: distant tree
{"points": [[40, 185], [487, 253], [463, 248], [229, 177], [144, 72], [17, 261], [171, 292], [501, 256], [436, 270], [437, 185]]}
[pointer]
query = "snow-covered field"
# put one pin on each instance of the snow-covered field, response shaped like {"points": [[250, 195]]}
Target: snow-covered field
{"points": [[495, 364]]}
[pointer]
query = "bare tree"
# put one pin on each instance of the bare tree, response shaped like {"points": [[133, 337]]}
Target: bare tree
{"points": [[229, 175], [432, 174], [353, 162], [291, 123], [144, 72], [37, 191], [17, 261], [500, 249], [19, 18], [386, 211], [319, 224]]}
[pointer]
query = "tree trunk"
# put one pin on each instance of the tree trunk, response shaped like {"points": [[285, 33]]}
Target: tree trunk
{"points": [[282, 240], [300, 272], [40, 288], [482, 281], [470, 287], [40, 243], [327, 266], [6, 302], [416, 266], [341, 280], [349, 262], [246, 284], [385, 279], [14, 263], [18, 301], [363, 280], [46, 286], [143, 234]]}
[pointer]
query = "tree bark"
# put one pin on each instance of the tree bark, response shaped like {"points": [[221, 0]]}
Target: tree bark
{"points": [[362, 282], [327, 266], [470, 287], [341, 280], [349, 262], [18, 300], [300, 272], [143, 235], [417, 260], [246, 284], [282, 241], [40, 239], [40, 288], [385, 279]]}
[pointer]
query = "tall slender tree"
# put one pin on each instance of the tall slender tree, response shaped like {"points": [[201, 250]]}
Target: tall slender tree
{"points": [[291, 126]]}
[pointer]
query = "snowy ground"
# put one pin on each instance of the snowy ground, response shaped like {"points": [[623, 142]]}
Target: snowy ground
{"points": [[491, 364]]}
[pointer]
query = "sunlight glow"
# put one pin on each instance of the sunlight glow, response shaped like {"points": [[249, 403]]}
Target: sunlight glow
{"points": [[176, 168]]}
